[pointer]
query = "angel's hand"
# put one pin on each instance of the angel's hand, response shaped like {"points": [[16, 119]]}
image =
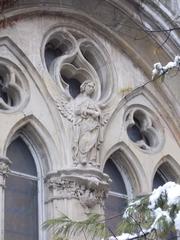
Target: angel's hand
{"points": [[84, 114]]}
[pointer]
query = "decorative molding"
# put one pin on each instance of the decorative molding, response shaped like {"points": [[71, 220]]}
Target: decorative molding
{"points": [[4, 166], [13, 87], [144, 128], [89, 186], [77, 58], [4, 170]]}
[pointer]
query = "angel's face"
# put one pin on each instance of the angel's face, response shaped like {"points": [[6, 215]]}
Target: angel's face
{"points": [[89, 89]]}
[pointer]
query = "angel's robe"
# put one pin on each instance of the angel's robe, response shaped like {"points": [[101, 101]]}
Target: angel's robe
{"points": [[86, 130]]}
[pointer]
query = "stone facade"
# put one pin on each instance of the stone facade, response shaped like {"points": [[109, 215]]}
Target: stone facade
{"points": [[76, 83]]}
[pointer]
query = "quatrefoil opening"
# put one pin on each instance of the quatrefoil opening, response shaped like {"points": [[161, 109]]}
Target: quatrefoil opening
{"points": [[12, 92], [144, 130]]}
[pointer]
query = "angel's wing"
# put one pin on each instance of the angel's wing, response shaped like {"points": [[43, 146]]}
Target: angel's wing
{"points": [[65, 108]]}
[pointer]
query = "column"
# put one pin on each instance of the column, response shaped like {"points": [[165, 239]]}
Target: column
{"points": [[4, 169], [76, 192]]}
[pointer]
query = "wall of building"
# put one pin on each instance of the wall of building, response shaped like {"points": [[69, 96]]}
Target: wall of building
{"points": [[41, 108]]}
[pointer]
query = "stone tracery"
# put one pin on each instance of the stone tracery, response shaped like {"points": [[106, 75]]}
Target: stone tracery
{"points": [[90, 187], [143, 129], [12, 89], [71, 57]]}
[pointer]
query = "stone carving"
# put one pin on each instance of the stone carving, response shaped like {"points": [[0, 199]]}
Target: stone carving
{"points": [[85, 84], [88, 189], [4, 166], [68, 189], [144, 129], [4, 170], [12, 88], [86, 126], [87, 121], [75, 59]]}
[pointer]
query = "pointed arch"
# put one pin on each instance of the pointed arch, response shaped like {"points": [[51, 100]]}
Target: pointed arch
{"points": [[31, 149], [41, 81], [26, 66], [23, 192], [127, 176], [32, 131], [161, 105], [169, 168], [126, 160]]}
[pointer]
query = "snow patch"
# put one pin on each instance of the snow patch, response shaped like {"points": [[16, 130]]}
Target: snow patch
{"points": [[171, 189], [124, 236], [177, 221]]}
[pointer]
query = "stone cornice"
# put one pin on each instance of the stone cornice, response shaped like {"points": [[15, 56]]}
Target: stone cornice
{"points": [[89, 186]]}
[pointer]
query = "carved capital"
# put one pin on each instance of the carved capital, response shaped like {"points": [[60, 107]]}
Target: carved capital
{"points": [[4, 169], [4, 166], [88, 186]]}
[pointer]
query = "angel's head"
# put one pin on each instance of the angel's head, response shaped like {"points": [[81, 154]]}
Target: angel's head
{"points": [[88, 87]]}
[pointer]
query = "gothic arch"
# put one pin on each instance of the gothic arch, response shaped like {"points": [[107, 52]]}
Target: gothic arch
{"points": [[40, 140], [26, 66], [153, 96], [170, 168], [126, 159], [31, 74]]}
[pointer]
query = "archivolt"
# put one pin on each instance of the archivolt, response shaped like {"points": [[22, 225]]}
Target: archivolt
{"points": [[38, 137], [153, 96], [126, 159], [170, 168]]}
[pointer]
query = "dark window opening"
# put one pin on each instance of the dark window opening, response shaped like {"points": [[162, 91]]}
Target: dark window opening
{"points": [[134, 133], [117, 200], [21, 194], [4, 93], [74, 86], [52, 52]]}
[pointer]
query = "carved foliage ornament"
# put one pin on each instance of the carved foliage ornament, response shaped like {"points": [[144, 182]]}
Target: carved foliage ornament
{"points": [[89, 190], [4, 169], [144, 129]]}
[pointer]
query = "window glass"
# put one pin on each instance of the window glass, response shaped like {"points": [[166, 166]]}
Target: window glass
{"points": [[117, 184], [117, 199], [21, 157], [114, 207], [158, 180], [21, 209], [21, 195]]}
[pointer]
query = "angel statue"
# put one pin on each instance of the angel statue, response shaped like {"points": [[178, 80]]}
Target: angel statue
{"points": [[87, 125]]}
